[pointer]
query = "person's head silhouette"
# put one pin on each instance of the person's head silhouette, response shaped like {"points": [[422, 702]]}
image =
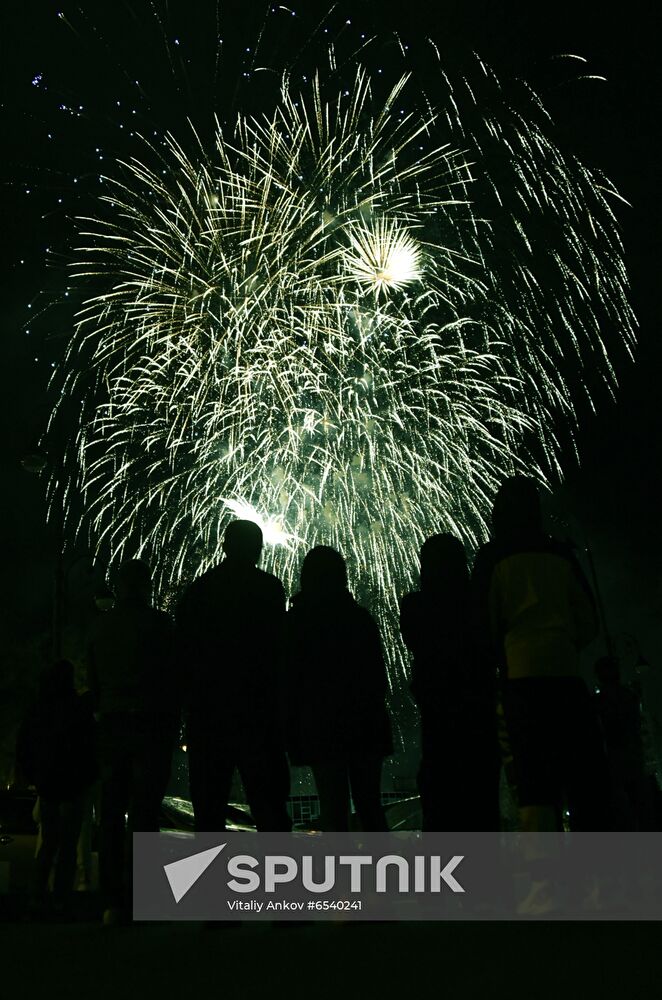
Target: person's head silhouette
{"points": [[323, 572], [134, 582], [516, 512], [242, 542], [443, 562]]}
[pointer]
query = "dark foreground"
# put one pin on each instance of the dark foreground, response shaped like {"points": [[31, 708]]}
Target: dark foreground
{"points": [[341, 960]]}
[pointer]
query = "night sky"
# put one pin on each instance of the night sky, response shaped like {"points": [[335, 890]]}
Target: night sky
{"points": [[63, 76]]}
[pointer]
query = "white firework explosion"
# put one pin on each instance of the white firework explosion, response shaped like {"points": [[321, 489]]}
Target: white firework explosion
{"points": [[315, 326], [384, 256]]}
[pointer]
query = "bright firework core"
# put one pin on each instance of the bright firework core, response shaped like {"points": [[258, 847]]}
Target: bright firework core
{"points": [[330, 315], [384, 256], [272, 529]]}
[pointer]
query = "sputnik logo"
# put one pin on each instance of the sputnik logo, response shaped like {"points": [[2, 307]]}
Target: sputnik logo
{"points": [[183, 874], [280, 869]]}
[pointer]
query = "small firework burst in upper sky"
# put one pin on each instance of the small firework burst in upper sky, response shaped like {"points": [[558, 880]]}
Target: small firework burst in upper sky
{"points": [[384, 255]]}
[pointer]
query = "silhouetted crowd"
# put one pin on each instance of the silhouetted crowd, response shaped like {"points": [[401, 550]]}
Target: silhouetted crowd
{"points": [[495, 674]]}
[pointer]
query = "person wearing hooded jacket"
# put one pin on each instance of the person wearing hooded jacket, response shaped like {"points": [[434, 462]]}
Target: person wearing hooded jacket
{"points": [[535, 612]]}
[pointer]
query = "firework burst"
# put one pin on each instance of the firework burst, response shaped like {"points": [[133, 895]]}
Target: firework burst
{"points": [[346, 322], [383, 257]]}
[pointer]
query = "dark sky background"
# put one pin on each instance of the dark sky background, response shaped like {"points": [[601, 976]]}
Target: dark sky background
{"points": [[88, 59]]}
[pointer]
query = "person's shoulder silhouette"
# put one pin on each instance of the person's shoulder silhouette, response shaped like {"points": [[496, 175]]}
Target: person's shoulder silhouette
{"points": [[235, 589], [324, 606], [325, 613], [231, 619], [132, 653]]}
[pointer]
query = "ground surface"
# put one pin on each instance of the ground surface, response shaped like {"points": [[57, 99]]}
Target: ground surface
{"points": [[477, 960]]}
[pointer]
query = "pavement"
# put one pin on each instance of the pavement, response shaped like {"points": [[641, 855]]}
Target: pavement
{"points": [[537, 960]]}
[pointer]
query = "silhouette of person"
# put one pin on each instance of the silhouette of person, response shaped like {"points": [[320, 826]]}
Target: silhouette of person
{"points": [[133, 673], [231, 619], [337, 720], [455, 690], [619, 710], [56, 751], [85, 595], [536, 605]]}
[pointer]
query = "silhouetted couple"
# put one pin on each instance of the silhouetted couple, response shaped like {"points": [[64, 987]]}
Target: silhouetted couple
{"points": [[134, 686], [520, 621], [264, 681]]}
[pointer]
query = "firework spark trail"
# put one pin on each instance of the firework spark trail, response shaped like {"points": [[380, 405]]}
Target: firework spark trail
{"points": [[315, 324]]}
